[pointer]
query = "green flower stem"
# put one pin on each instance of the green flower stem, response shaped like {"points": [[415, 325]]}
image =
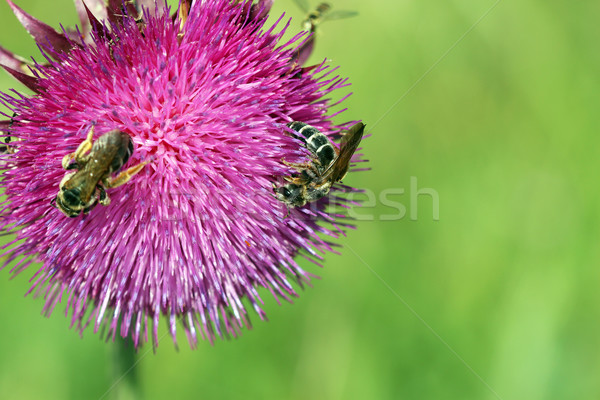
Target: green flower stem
{"points": [[124, 371]]}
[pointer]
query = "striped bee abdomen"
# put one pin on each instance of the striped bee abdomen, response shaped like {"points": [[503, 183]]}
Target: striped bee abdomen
{"points": [[316, 142]]}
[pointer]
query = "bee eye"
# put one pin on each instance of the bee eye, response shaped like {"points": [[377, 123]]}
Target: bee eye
{"points": [[284, 191], [71, 198]]}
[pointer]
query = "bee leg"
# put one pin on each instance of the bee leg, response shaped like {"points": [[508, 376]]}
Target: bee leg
{"points": [[102, 196], [84, 147], [297, 180], [90, 208], [184, 11], [287, 214], [79, 154], [298, 166], [124, 176], [305, 177]]}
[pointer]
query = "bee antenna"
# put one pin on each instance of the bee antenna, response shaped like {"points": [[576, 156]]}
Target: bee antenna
{"points": [[53, 202]]}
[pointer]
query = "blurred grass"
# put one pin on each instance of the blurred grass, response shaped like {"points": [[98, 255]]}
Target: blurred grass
{"points": [[504, 128]]}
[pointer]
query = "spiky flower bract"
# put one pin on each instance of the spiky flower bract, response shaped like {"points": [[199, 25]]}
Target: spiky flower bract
{"points": [[205, 97]]}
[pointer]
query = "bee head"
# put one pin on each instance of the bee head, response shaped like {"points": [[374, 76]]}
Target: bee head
{"points": [[290, 194], [69, 202]]}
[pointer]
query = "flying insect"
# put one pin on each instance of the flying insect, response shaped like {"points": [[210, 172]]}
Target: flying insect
{"points": [[321, 13], [310, 23]]}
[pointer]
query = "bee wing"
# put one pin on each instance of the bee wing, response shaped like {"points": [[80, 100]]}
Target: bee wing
{"points": [[350, 141], [303, 4], [338, 14]]}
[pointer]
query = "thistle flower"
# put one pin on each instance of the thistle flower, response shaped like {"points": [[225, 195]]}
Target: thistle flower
{"points": [[205, 95]]}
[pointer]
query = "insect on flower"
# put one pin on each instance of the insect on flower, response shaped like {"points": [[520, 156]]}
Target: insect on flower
{"points": [[328, 166], [6, 147], [95, 162], [197, 236]]}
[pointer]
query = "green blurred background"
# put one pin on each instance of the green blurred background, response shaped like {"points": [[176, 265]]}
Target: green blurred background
{"points": [[496, 299]]}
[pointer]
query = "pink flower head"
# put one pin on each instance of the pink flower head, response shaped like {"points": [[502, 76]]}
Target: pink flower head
{"points": [[205, 96]]}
